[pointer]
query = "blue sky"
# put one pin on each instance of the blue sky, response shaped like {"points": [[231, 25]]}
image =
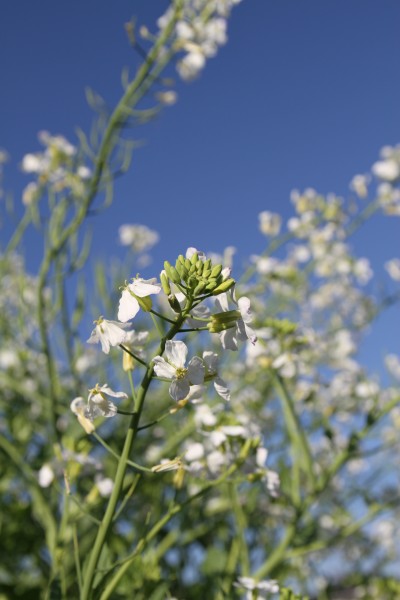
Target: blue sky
{"points": [[303, 95]]}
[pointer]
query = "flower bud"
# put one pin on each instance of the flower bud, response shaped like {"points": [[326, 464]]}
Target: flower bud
{"points": [[216, 271], [194, 258], [224, 287], [165, 283], [199, 288], [174, 304], [172, 272]]}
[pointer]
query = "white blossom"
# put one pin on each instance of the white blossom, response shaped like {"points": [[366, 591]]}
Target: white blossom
{"points": [[98, 403], [393, 268], [173, 368], [139, 288], [108, 333]]}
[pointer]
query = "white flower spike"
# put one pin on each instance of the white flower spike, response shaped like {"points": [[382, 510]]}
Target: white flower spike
{"points": [[173, 368]]}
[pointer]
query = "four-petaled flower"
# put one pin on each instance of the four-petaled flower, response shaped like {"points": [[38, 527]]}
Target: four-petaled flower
{"points": [[173, 368], [98, 403], [134, 297], [108, 333], [242, 331], [211, 363]]}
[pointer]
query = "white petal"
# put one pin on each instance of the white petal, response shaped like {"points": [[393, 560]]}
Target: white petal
{"points": [[211, 361], [78, 405], [221, 302], [143, 287], [128, 307], [176, 353], [228, 339], [162, 368], [179, 389], [196, 370], [113, 331], [107, 390], [244, 307], [222, 389]]}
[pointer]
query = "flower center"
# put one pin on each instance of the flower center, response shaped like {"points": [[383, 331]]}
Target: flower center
{"points": [[180, 373]]}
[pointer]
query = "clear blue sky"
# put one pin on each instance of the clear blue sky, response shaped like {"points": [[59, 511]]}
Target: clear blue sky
{"points": [[305, 93]]}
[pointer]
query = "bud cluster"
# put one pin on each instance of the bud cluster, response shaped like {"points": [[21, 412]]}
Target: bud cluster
{"points": [[196, 277]]}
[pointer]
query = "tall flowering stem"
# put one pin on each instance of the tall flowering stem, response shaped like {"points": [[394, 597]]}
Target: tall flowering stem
{"points": [[123, 461]]}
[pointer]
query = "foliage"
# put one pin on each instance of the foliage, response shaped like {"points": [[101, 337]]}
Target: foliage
{"points": [[272, 468]]}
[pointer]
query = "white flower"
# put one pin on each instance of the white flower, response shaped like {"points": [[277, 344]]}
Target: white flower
{"points": [[359, 185], [98, 403], [270, 223], [79, 408], [242, 331], [211, 362], [393, 268], [173, 368], [139, 288], [105, 486], [108, 333], [45, 476], [267, 586], [389, 170], [139, 237], [191, 64]]}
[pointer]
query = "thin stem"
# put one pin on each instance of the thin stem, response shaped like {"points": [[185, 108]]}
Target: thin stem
{"points": [[137, 358]]}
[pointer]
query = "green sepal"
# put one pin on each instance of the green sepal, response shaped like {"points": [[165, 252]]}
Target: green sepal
{"points": [[145, 303]]}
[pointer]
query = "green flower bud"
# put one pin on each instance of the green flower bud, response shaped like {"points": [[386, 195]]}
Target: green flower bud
{"points": [[192, 269], [188, 264], [207, 263], [174, 304], [181, 269], [215, 327], [212, 283], [224, 287], [192, 281], [206, 273], [199, 288], [181, 259], [194, 258], [172, 272], [165, 284], [226, 316], [199, 267], [216, 271]]}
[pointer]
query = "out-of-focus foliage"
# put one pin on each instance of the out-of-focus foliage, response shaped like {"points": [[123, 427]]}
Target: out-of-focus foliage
{"points": [[287, 481]]}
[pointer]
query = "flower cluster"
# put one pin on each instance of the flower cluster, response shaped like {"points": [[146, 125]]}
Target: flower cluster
{"points": [[59, 167]]}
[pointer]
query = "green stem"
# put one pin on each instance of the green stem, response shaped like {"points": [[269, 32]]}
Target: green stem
{"points": [[295, 430], [123, 462], [173, 510]]}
